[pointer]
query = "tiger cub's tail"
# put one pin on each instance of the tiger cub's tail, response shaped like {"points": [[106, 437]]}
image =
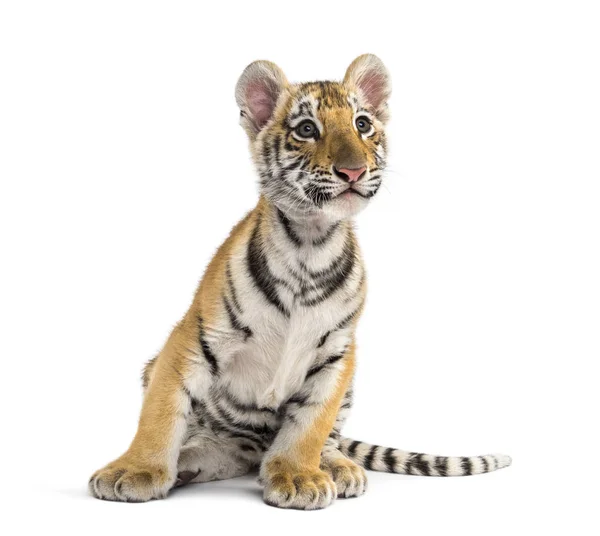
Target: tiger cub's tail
{"points": [[376, 458]]}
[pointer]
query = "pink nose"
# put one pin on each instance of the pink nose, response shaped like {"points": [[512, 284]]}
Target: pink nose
{"points": [[351, 175]]}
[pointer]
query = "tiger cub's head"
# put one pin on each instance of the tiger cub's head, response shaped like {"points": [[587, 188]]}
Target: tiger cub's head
{"points": [[319, 147]]}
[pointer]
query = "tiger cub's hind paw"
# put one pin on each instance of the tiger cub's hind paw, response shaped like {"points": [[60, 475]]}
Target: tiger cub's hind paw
{"points": [[350, 479]]}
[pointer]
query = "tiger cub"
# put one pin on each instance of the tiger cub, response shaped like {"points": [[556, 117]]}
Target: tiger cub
{"points": [[258, 373]]}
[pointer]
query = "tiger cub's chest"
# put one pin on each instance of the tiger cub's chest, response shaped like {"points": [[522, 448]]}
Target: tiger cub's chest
{"points": [[296, 302], [273, 364]]}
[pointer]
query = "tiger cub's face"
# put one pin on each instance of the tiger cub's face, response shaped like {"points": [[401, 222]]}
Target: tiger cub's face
{"points": [[319, 147]]}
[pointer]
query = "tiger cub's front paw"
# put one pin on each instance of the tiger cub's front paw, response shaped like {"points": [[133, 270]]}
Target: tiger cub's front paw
{"points": [[301, 490], [127, 481]]}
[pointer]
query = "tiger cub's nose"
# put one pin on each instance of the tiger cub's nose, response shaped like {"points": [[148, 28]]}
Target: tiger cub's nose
{"points": [[350, 175]]}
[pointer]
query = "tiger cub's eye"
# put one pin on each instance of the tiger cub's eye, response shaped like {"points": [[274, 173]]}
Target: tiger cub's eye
{"points": [[363, 125], [307, 129]]}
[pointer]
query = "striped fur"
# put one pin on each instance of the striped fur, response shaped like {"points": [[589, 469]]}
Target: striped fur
{"points": [[258, 373], [389, 460]]}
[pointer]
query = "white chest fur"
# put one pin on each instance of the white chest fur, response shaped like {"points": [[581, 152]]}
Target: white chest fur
{"points": [[271, 365]]}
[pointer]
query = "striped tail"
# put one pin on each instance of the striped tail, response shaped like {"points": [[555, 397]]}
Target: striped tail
{"points": [[376, 458]]}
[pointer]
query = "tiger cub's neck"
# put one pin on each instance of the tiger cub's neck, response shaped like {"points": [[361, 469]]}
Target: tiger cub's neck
{"points": [[312, 239]]}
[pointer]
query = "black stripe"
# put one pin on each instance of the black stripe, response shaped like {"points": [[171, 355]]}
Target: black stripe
{"points": [[264, 177], [208, 354], [466, 466], [369, 194], [299, 400], [352, 448], [368, 461], [146, 371], [290, 417], [293, 165], [297, 278], [235, 321], [304, 110], [323, 339], [316, 194], [327, 236], [324, 181], [484, 462], [415, 465], [260, 272], [232, 291], [236, 434], [329, 361], [441, 465], [318, 276], [289, 231], [276, 145], [206, 418], [187, 391], [335, 435], [292, 148], [219, 422], [238, 422], [389, 460], [266, 154], [422, 465], [323, 282], [408, 464], [241, 407], [346, 322], [340, 325], [335, 276]]}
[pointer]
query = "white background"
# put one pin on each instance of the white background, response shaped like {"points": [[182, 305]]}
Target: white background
{"points": [[123, 167]]}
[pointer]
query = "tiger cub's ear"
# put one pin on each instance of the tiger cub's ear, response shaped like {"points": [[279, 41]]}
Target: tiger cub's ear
{"points": [[256, 94], [368, 74]]}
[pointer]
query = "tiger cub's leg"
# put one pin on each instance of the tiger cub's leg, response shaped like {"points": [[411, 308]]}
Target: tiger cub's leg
{"points": [[350, 479], [206, 457], [290, 470], [148, 468]]}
